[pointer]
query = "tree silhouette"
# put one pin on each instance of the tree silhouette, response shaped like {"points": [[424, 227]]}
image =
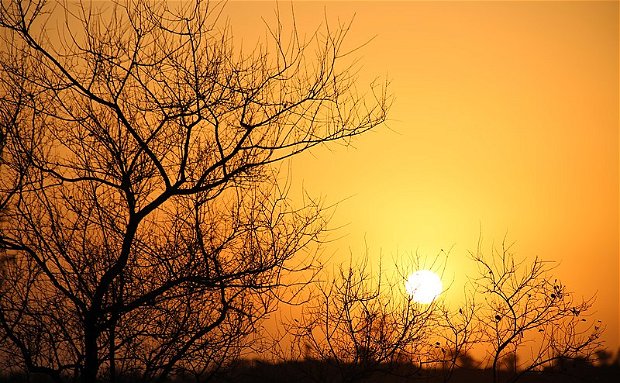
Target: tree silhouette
{"points": [[603, 357], [523, 309], [523, 317], [457, 332], [149, 231], [364, 324]]}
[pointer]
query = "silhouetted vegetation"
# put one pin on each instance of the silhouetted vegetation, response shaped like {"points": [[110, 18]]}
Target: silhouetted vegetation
{"points": [[526, 320], [150, 232], [521, 306], [144, 234], [364, 323], [314, 371]]}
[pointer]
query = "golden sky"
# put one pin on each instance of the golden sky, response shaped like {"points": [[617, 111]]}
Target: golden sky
{"points": [[504, 122]]}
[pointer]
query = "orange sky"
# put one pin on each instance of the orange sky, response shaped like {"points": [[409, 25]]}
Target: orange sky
{"points": [[505, 121]]}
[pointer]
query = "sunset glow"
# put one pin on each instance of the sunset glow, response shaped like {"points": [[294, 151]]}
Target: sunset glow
{"points": [[504, 124], [221, 190], [423, 286]]}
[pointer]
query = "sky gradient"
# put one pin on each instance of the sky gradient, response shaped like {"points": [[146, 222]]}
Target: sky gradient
{"points": [[504, 124]]}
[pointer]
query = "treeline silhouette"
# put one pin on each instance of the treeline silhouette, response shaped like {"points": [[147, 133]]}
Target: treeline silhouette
{"points": [[311, 371], [326, 371]]}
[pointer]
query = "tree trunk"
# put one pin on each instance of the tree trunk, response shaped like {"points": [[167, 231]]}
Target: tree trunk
{"points": [[112, 352], [495, 371], [91, 358]]}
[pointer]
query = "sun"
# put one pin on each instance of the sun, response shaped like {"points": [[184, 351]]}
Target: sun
{"points": [[423, 286]]}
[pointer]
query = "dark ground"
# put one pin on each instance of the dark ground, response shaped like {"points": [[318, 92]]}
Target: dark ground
{"points": [[314, 371]]}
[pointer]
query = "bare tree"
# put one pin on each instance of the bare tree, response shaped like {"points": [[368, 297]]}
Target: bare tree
{"points": [[148, 226], [528, 318], [364, 324], [456, 333], [513, 309]]}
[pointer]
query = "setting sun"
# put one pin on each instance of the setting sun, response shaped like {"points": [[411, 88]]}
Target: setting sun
{"points": [[423, 286]]}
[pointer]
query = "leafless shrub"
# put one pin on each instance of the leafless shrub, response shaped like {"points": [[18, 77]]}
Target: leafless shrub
{"points": [[363, 323], [528, 317]]}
